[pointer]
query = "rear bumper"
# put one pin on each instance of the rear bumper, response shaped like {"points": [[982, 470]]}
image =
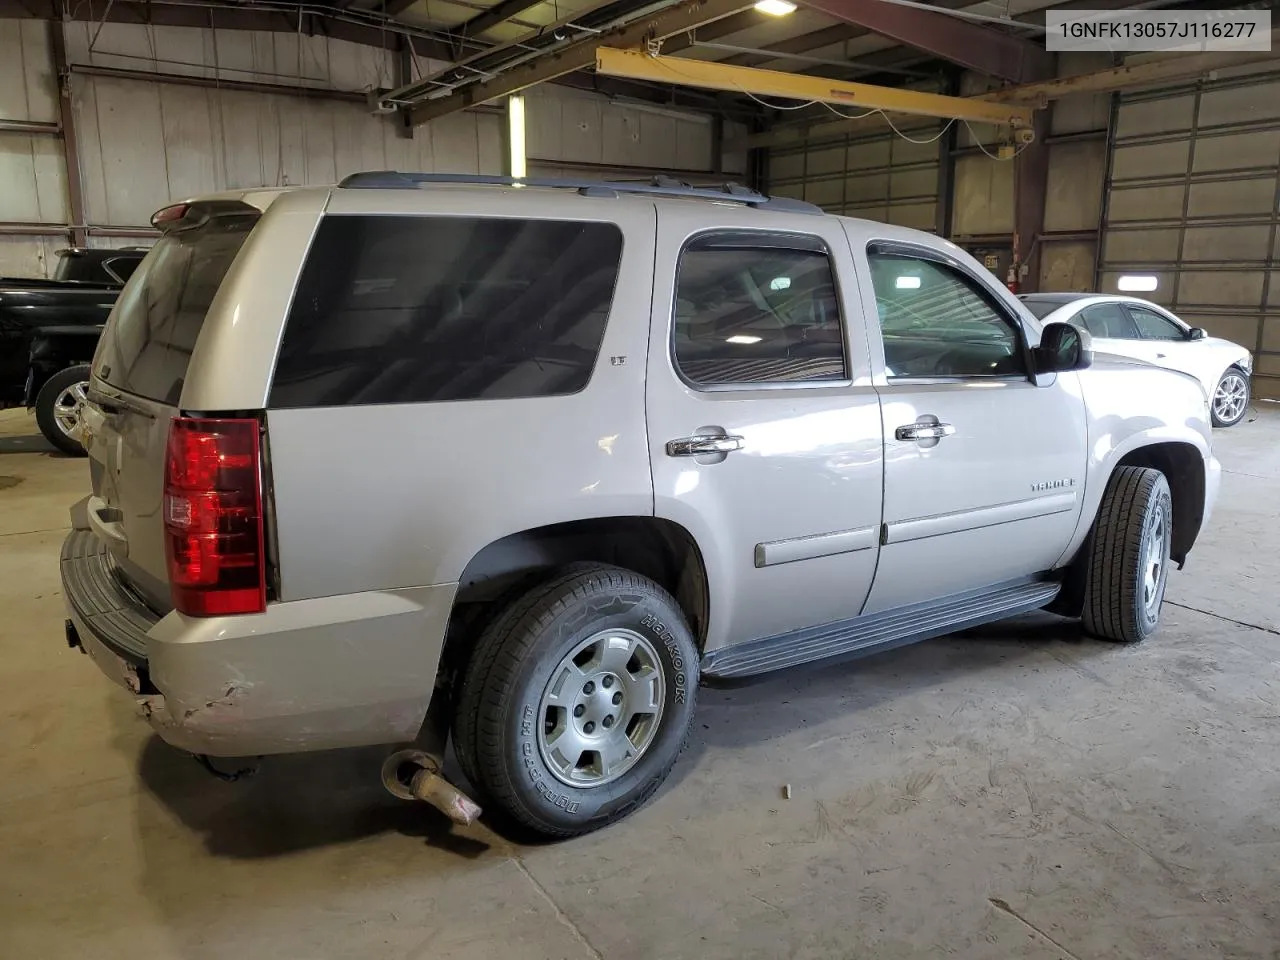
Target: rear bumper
{"points": [[306, 675]]}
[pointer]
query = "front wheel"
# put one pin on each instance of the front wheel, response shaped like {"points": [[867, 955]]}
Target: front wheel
{"points": [[58, 407], [1129, 556], [578, 700], [1230, 398]]}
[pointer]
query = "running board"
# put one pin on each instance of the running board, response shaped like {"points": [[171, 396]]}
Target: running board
{"points": [[881, 631]]}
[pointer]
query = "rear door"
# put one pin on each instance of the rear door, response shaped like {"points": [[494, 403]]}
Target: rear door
{"points": [[138, 376], [764, 428]]}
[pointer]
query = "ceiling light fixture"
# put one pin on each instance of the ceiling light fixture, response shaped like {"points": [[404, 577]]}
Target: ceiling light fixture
{"points": [[1138, 283], [776, 8], [742, 338], [515, 130]]}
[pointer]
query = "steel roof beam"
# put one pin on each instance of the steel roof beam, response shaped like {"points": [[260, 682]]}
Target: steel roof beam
{"points": [[498, 13], [676, 19], [984, 49]]}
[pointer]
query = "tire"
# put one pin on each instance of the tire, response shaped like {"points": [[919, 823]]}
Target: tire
{"points": [[1230, 400], [520, 691], [1129, 556], [54, 407]]}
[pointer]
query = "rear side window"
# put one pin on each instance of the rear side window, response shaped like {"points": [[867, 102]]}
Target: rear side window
{"points": [[1040, 308], [412, 309], [1108, 321], [757, 309], [157, 320]]}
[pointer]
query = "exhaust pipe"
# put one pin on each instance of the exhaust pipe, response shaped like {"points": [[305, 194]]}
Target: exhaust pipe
{"points": [[415, 775]]}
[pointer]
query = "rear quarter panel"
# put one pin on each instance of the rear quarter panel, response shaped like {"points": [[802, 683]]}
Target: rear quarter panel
{"points": [[382, 497]]}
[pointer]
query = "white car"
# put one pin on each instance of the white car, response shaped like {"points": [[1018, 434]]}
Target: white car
{"points": [[1132, 327]]}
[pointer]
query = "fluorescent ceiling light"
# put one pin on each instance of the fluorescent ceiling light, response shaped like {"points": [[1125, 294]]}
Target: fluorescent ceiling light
{"points": [[515, 121], [742, 338], [907, 283], [1138, 283], [776, 8]]}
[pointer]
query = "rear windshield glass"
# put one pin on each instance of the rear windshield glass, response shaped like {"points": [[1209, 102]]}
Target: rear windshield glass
{"points": [[149, 342], [1041, 308], [405, 309]]}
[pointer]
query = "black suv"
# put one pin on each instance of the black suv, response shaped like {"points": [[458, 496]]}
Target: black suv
{"points": [[49, 330]]}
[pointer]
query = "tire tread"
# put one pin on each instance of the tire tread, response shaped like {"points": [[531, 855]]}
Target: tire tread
{"points": [[1110, 598], [501, 650]]}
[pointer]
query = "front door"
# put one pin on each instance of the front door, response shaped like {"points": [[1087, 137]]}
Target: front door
{"points": [[984, 469], [764, 426]]}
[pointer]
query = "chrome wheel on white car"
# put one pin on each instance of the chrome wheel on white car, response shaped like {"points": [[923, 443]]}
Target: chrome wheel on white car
{"points": [[1230, 398]]}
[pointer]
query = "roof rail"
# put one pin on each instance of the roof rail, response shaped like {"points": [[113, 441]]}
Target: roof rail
{"points": [[665, 186]]}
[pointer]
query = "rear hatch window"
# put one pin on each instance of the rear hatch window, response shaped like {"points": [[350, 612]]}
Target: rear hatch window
{"points": [[148, 343]]}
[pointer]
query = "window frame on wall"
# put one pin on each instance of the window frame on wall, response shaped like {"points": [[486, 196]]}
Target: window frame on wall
{"points": [[756, 239], [1017, 324]]}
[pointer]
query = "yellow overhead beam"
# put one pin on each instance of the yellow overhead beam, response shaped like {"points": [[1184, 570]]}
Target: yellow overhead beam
{"points": [[637, 65]]}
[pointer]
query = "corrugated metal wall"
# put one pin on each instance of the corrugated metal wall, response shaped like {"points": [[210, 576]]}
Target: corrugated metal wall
{"points": [[878, 175], [33, 175], [1194, 188], [578, 133], [143, 143]]}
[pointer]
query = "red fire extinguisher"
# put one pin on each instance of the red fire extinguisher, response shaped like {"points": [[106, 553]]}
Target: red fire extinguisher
{"points": [[1011, 280]]}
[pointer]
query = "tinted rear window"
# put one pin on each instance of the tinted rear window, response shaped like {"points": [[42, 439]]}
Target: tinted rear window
{"points": [[404, 309], [1042, 308], [153, 332]]}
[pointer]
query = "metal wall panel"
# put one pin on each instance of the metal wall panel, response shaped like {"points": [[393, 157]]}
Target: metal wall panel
{"points": [[29, 256], [33, 181], [1194, 181], [144, 144], [576, 126], [983, 196], [879, 176]]}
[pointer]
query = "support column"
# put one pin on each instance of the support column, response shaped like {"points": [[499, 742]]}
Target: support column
{"points": [[947, 164], [1030, 185], [70, 142]]}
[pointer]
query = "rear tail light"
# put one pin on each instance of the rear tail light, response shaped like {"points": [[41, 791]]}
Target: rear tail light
{"points": [[213, 517]]}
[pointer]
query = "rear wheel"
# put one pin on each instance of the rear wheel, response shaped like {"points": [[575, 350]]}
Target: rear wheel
{"points": [[1129, 556], [58, 408], [578, 700], [1230, 398]]}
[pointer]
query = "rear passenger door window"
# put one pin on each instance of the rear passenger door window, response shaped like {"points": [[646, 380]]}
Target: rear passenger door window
{"points": [[757, 309], [412, 309], [1108, 320], [937, 322]]}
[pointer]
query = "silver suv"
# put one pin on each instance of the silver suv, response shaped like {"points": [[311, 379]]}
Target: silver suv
{"points": [[525, 464]]}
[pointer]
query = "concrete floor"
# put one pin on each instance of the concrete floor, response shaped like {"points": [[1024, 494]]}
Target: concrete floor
{"points": [[1016, 792]]}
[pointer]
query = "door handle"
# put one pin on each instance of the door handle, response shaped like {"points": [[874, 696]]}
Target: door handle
{"points": [[699, 446], [924, 431]]}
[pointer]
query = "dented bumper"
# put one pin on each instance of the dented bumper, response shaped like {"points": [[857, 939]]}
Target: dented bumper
{"points": [[306, 675]]}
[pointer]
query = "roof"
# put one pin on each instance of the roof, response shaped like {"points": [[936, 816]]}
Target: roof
{"points": [[1057, 297]]}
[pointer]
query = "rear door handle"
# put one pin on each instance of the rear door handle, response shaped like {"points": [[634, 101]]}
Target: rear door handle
{"points": [[924, 431], [700, 446]]}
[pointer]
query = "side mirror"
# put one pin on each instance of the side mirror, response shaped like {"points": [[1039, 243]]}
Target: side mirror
{"points": [[1063, 347], [1197, 333]]}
